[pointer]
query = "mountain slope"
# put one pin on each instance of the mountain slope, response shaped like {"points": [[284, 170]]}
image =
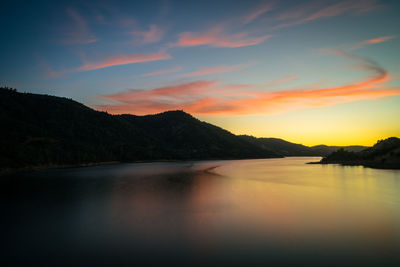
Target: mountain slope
{"points": [[42, 130], [182, 134], [281, 146]]}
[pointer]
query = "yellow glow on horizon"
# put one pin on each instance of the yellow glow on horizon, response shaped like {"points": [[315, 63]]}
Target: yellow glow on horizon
{"points": [[361, 123]]}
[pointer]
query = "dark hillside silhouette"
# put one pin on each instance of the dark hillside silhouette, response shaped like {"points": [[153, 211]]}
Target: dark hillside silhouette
{"points": [[384, 154], [42, 130]]}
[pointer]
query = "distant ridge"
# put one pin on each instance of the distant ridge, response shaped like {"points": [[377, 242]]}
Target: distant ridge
{"points": [[286, 148], [47, 131]]}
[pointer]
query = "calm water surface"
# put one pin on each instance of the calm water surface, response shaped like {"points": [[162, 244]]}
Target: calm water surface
{"points": [[281, 212]]}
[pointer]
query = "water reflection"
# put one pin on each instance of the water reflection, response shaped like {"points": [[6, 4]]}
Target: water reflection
{"points": [[278, 211]]}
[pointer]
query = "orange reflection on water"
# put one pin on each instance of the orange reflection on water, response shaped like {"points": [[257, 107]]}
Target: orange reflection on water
{"points": [[278, 201]]}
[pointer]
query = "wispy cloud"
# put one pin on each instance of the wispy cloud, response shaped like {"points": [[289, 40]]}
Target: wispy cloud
{"points": [[299, 11], [50, 73], [123, 60], [284, 80], [226, 33], [160, 72], [214, 98], [187, 96], [78, 32], [355, 6], [217, 38], [306, 13], [153, 35], [192, 88], [257, 12], [373, 41], [214, 70], [47, 71]]}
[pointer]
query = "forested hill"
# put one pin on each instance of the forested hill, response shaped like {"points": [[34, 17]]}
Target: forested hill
{"points": [[385, 154], [42, 130]]}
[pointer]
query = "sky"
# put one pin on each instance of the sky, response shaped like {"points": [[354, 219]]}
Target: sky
{"points": [[310, 72]]}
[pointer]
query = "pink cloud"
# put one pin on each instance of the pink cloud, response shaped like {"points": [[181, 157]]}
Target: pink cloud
{"points": [[260, 10], [215, 37], [153, 35], [79, 32], [123, 60], [373, 41], [190, 96], [160, 72], [213, 98]]}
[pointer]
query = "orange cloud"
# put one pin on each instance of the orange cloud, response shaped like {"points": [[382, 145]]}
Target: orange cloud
{"points": [[135, 96], [79, 32], [160, 72], [153, 35], [215, 37], [123, 60], [212, 98], [260, 10], [374, 41]]}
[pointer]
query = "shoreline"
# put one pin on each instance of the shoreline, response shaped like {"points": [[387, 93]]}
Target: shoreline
{"points": [[11, 171], [371, 165]]}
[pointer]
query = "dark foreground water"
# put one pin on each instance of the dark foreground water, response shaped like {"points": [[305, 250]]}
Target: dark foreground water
{"points": [[280, 212]]}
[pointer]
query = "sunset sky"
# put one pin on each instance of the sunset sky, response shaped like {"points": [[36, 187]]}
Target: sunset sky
{"points": [[310, 72]]}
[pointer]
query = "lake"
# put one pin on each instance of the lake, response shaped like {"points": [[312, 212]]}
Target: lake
{"points": [[281, 212]]}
